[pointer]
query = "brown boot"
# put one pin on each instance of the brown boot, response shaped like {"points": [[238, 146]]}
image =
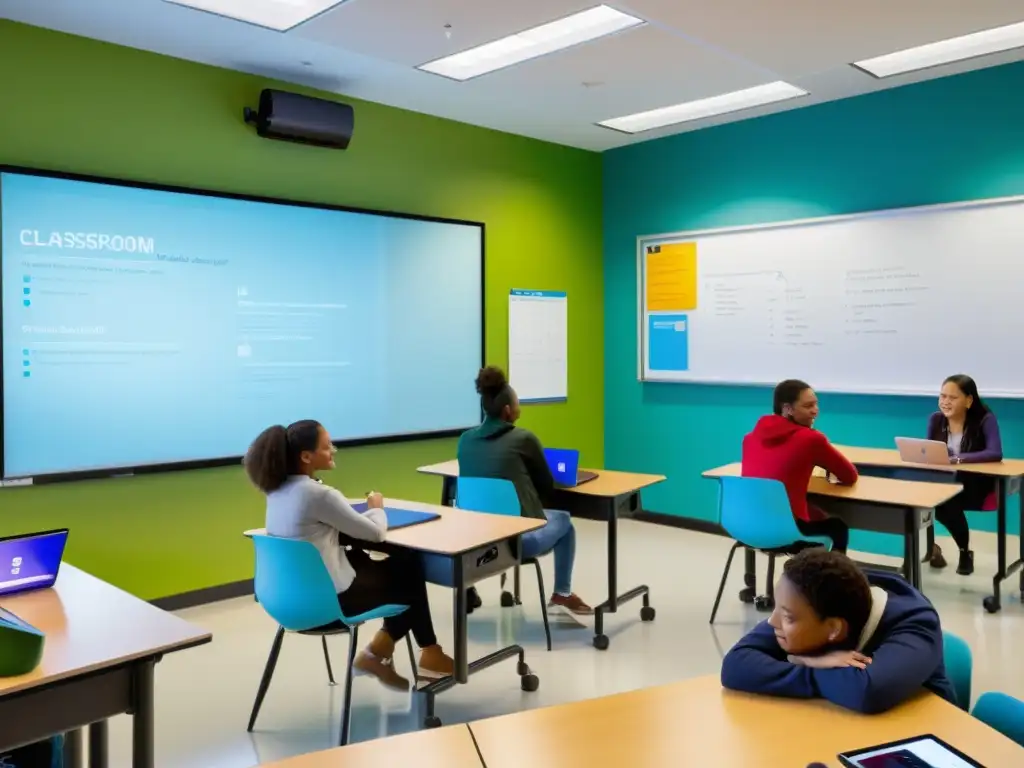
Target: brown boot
{"points": [[435, 663], [935, 558], [378, 660]]}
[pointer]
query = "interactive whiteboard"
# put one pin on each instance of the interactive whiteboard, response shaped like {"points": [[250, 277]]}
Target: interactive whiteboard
{"points": [[889, 302]]}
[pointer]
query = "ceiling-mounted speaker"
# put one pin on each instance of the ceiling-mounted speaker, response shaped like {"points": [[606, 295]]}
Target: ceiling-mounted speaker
{"points": [[303, 119]]}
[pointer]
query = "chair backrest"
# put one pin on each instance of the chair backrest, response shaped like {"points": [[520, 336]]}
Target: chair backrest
{"points": [[956, 655], [487, 494], [1002, 712], [757, 513], [293, 585]]}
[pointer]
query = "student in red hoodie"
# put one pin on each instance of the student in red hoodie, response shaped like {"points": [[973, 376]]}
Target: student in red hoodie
{"points": [[786, 447]]}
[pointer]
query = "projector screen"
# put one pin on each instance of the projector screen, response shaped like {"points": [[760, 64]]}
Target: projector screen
{"points": [[146, 326]]}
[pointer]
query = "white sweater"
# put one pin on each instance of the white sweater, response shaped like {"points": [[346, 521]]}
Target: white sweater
{"points": [[306, 510]]}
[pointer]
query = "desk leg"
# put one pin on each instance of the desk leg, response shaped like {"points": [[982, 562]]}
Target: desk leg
{"points": [[914, 540], [98, 740], [73, 749], [611, 605], [448, 486], [143, 727], [993, 603]]}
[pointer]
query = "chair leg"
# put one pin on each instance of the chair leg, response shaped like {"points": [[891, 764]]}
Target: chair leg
{"points": [[347, 702], [412, 656], [268, 673], [515, 589], [327, 658], [543, 602], [725, 576]]}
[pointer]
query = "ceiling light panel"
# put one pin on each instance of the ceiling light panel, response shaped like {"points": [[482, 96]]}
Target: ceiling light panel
{"points": [[566, 32], [280, 15], [748, 98], [970, 46]]}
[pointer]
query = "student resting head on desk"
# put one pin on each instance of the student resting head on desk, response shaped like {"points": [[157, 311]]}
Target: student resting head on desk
{"points": [[971, 434], [785, 447], [866, 642], [283, 462], [500, 449]]}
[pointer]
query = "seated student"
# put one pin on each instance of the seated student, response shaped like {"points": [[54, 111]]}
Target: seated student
{"points": [[863, 641], [786, 447], [971, 434], [500, 449], [283, 462]]}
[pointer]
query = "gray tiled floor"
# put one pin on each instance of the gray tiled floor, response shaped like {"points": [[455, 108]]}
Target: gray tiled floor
{"points": [[204, 695]]}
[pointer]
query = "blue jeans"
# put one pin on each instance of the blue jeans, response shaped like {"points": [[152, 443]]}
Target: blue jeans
{"points": [[558, 536]]}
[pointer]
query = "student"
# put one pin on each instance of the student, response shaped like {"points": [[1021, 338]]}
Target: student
{"points": [[283, 462], [971, 434], [785, 447], [500, 449], [864, 642]]}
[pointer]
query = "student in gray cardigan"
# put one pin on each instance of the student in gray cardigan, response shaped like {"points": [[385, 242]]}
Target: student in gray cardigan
{"points": [[283, 462]]}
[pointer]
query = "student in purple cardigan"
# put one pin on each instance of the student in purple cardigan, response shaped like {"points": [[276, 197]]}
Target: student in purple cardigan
{"points": [[971, 434]]}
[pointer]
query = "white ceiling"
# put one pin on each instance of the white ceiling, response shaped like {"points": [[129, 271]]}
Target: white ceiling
{"points": [[690, 49]]}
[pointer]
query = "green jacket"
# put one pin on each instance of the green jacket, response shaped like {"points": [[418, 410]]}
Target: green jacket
{"points": [[502, 450]]}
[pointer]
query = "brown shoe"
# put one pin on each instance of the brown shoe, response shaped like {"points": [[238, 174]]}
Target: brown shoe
{"points": [[571, 603], [935, 558], [383, 668], [435, 663]]}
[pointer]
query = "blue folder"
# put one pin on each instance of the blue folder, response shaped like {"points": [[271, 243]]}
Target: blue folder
{"points": [[401, 518]]}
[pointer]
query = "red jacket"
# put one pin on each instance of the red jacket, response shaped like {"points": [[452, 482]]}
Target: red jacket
{"points": [[780, 450]]}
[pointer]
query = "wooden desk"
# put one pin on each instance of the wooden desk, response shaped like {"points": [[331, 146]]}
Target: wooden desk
{"points": [[695, 722], [450, 747], [1006, 474], [610, 496], [880, 504], [459, 549], [101, 648]]}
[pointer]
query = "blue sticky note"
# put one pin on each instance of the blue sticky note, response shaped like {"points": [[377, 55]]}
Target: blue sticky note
{"points": [[27, 279], [25, 363], [668, 339], [26, 374], [27, 303], [24, 352], [26, 291]]}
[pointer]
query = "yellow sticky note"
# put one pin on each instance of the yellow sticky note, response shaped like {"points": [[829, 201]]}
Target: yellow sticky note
{"points": [[671, 277]]}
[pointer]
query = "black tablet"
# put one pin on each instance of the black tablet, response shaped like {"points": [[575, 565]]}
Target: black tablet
{"points": [[924, 751]]}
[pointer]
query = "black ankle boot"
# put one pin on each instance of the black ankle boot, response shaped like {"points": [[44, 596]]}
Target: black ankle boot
{"points": [[966, 565], [473, 600]]}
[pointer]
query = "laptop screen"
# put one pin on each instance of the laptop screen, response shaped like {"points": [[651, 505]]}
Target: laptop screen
{"points": [[563, 463], [31, 561]]}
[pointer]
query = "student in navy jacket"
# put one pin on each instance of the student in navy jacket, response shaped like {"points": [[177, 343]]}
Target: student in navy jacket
{"points": [[866, 642], [971, 434]]}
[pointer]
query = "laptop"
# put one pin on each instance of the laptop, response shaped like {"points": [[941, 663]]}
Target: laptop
{"points": [[400, 518], [31, 560], [565, 466], [918, 451]]}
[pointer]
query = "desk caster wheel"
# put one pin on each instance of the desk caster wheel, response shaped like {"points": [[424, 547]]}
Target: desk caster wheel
{"points": [[764, 603], [747, 595], [601, 642], [507, 600], [529, 683], [522, 669], [991, 604], [647, 613], [432, 722]]}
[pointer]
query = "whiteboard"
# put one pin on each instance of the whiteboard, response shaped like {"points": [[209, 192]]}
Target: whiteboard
{"points": [[538, 345], [889, 302]]}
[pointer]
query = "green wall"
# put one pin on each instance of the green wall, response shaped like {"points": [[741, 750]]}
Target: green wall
{"points": [[88, 107], [952, 139]]}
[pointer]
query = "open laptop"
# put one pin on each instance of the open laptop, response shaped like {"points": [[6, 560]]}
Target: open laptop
{"points": [[565, 466], [31, 560], [918, 451]]}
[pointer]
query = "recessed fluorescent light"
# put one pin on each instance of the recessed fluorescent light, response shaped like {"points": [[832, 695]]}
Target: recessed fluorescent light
{"points": [[572, 30], [281, 15], [696, 110], [945, 51]]}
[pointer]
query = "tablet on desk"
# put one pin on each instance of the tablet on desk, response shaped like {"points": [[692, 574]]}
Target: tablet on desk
{"points": [[925, 751], [400, 518]]}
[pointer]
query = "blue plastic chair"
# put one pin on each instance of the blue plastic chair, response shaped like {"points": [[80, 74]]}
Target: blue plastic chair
{"points": [[956, 657], [499, 497], [1002, 712], [756, 513], [295, 589]]}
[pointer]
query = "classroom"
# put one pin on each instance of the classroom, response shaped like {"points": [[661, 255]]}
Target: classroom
{"points": [[647, 223]]}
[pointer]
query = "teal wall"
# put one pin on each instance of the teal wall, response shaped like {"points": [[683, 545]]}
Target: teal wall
{"points": [[952, 139]]}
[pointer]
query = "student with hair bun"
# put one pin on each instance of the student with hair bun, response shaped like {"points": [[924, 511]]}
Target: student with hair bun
{"points": [[499, 449], [283, 462]]}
